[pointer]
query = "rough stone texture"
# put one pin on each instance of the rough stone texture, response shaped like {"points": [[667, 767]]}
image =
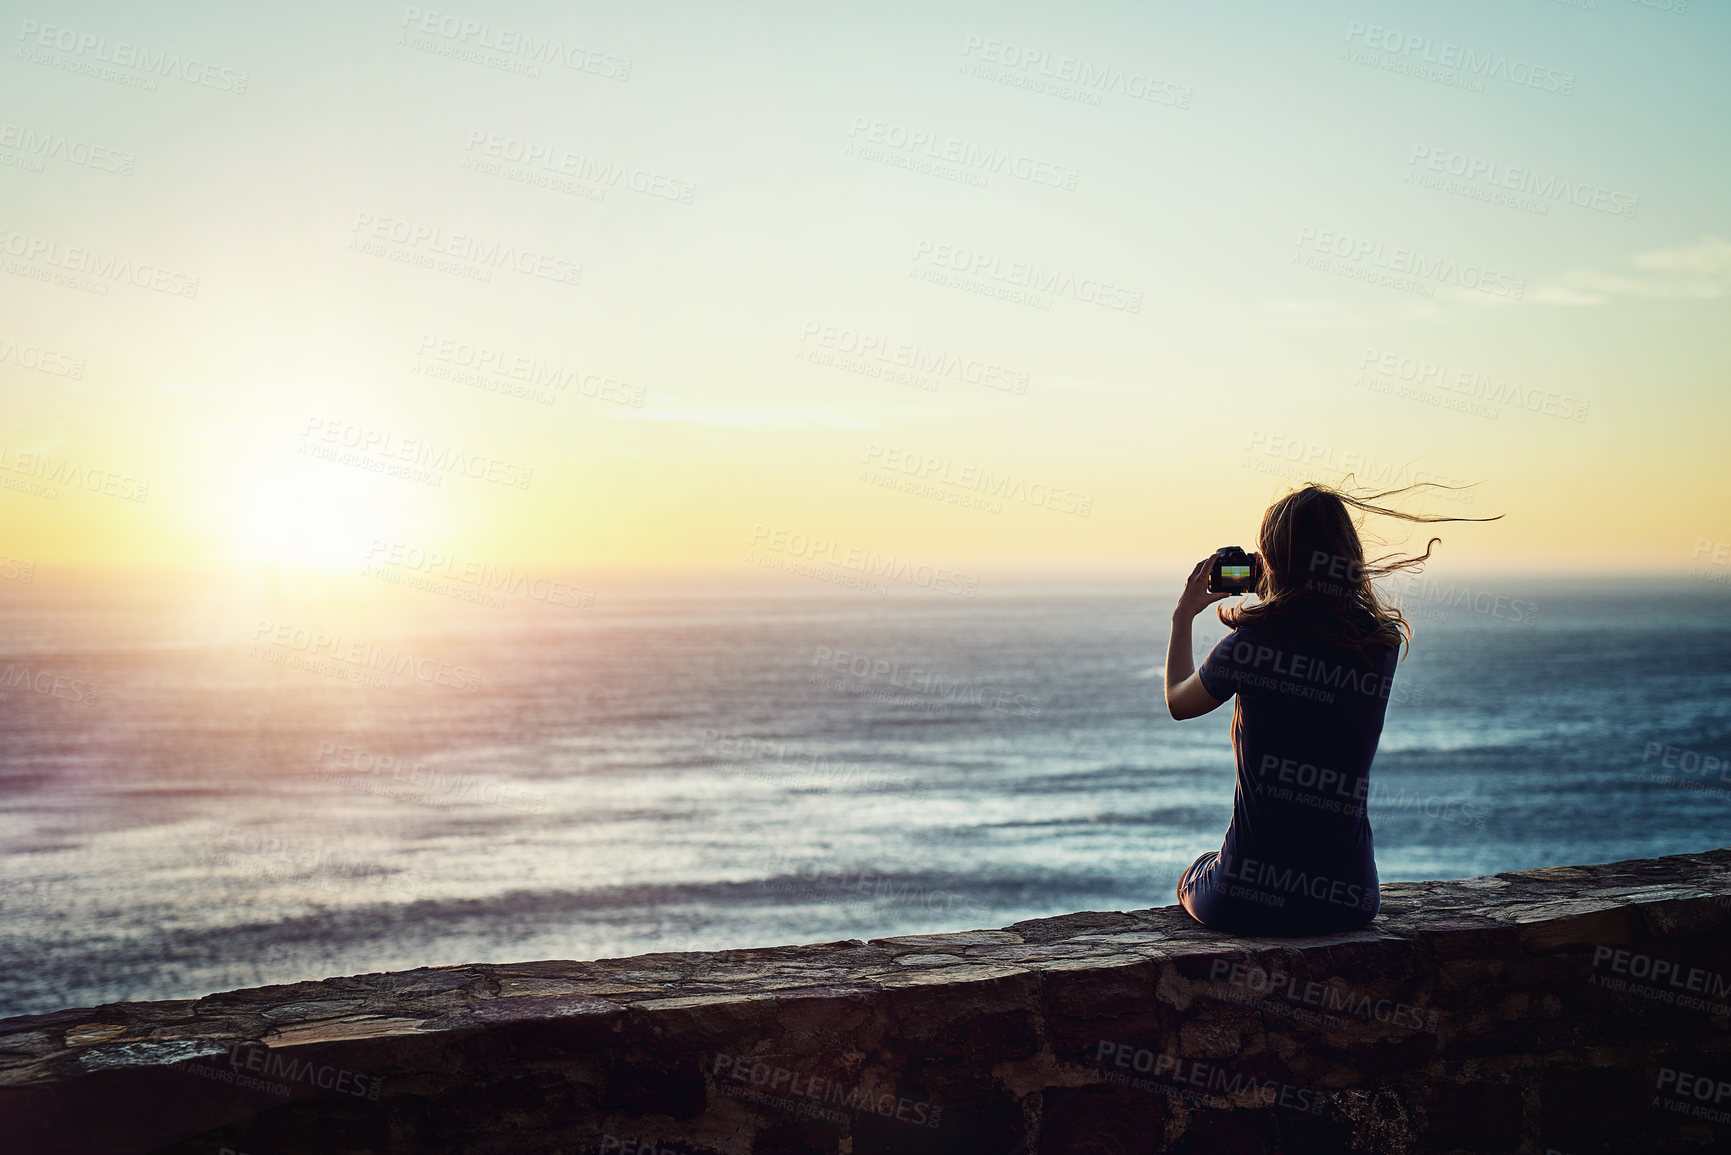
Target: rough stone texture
{"points": [[1480, 1015]]}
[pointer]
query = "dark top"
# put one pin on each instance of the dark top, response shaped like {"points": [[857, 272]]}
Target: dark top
{"points": [[1304, 731]]}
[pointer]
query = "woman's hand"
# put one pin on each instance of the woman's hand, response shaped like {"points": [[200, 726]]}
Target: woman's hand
{"points": [[1196, 597], [1186, 696]]}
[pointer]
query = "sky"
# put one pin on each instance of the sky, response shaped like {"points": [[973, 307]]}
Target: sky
{"points": [[732, 288]]}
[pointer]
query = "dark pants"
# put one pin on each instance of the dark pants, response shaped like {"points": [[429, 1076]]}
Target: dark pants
{"points": [[1207, 894]]}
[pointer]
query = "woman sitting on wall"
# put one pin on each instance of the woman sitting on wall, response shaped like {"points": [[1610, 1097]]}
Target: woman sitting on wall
{"points": [[1312, 662]]}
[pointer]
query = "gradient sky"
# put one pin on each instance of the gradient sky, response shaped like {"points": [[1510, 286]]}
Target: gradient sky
{"points": [[1276, 131]]}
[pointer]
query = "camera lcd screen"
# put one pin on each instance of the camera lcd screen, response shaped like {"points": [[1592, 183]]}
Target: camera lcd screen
{"points": [[1235, 573]]}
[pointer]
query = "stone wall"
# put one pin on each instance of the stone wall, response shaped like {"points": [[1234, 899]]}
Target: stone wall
{"points": [[1572, 1009]]}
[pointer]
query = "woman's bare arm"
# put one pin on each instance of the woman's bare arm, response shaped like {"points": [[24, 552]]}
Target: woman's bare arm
{"points": [[1185, 697]]}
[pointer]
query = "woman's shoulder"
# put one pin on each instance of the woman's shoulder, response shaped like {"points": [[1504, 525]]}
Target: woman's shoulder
{"points": [[1352, 628]]}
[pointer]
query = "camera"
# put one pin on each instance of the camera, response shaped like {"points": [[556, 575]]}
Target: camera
{"points": [[1235, 571]]}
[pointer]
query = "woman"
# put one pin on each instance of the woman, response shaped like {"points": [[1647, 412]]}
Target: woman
{"points": [[1312, 663]]}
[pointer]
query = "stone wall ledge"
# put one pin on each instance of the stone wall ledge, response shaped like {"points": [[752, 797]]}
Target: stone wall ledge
{"points": [[1484, 1014]]}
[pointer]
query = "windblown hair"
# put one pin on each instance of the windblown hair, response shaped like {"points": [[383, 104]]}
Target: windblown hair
{"points": [[1315, 579]]}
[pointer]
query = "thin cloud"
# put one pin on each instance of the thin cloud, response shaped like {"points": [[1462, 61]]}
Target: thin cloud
{"points": [[1698, 271]]}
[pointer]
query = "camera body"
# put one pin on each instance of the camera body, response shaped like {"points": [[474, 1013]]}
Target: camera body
{"points": [[1235, 571]]}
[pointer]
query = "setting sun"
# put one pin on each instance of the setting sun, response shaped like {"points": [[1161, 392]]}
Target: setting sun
{"points": [[313, 519]]}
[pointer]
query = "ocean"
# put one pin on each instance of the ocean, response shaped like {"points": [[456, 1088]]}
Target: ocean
{"points": [[205, 787]]}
